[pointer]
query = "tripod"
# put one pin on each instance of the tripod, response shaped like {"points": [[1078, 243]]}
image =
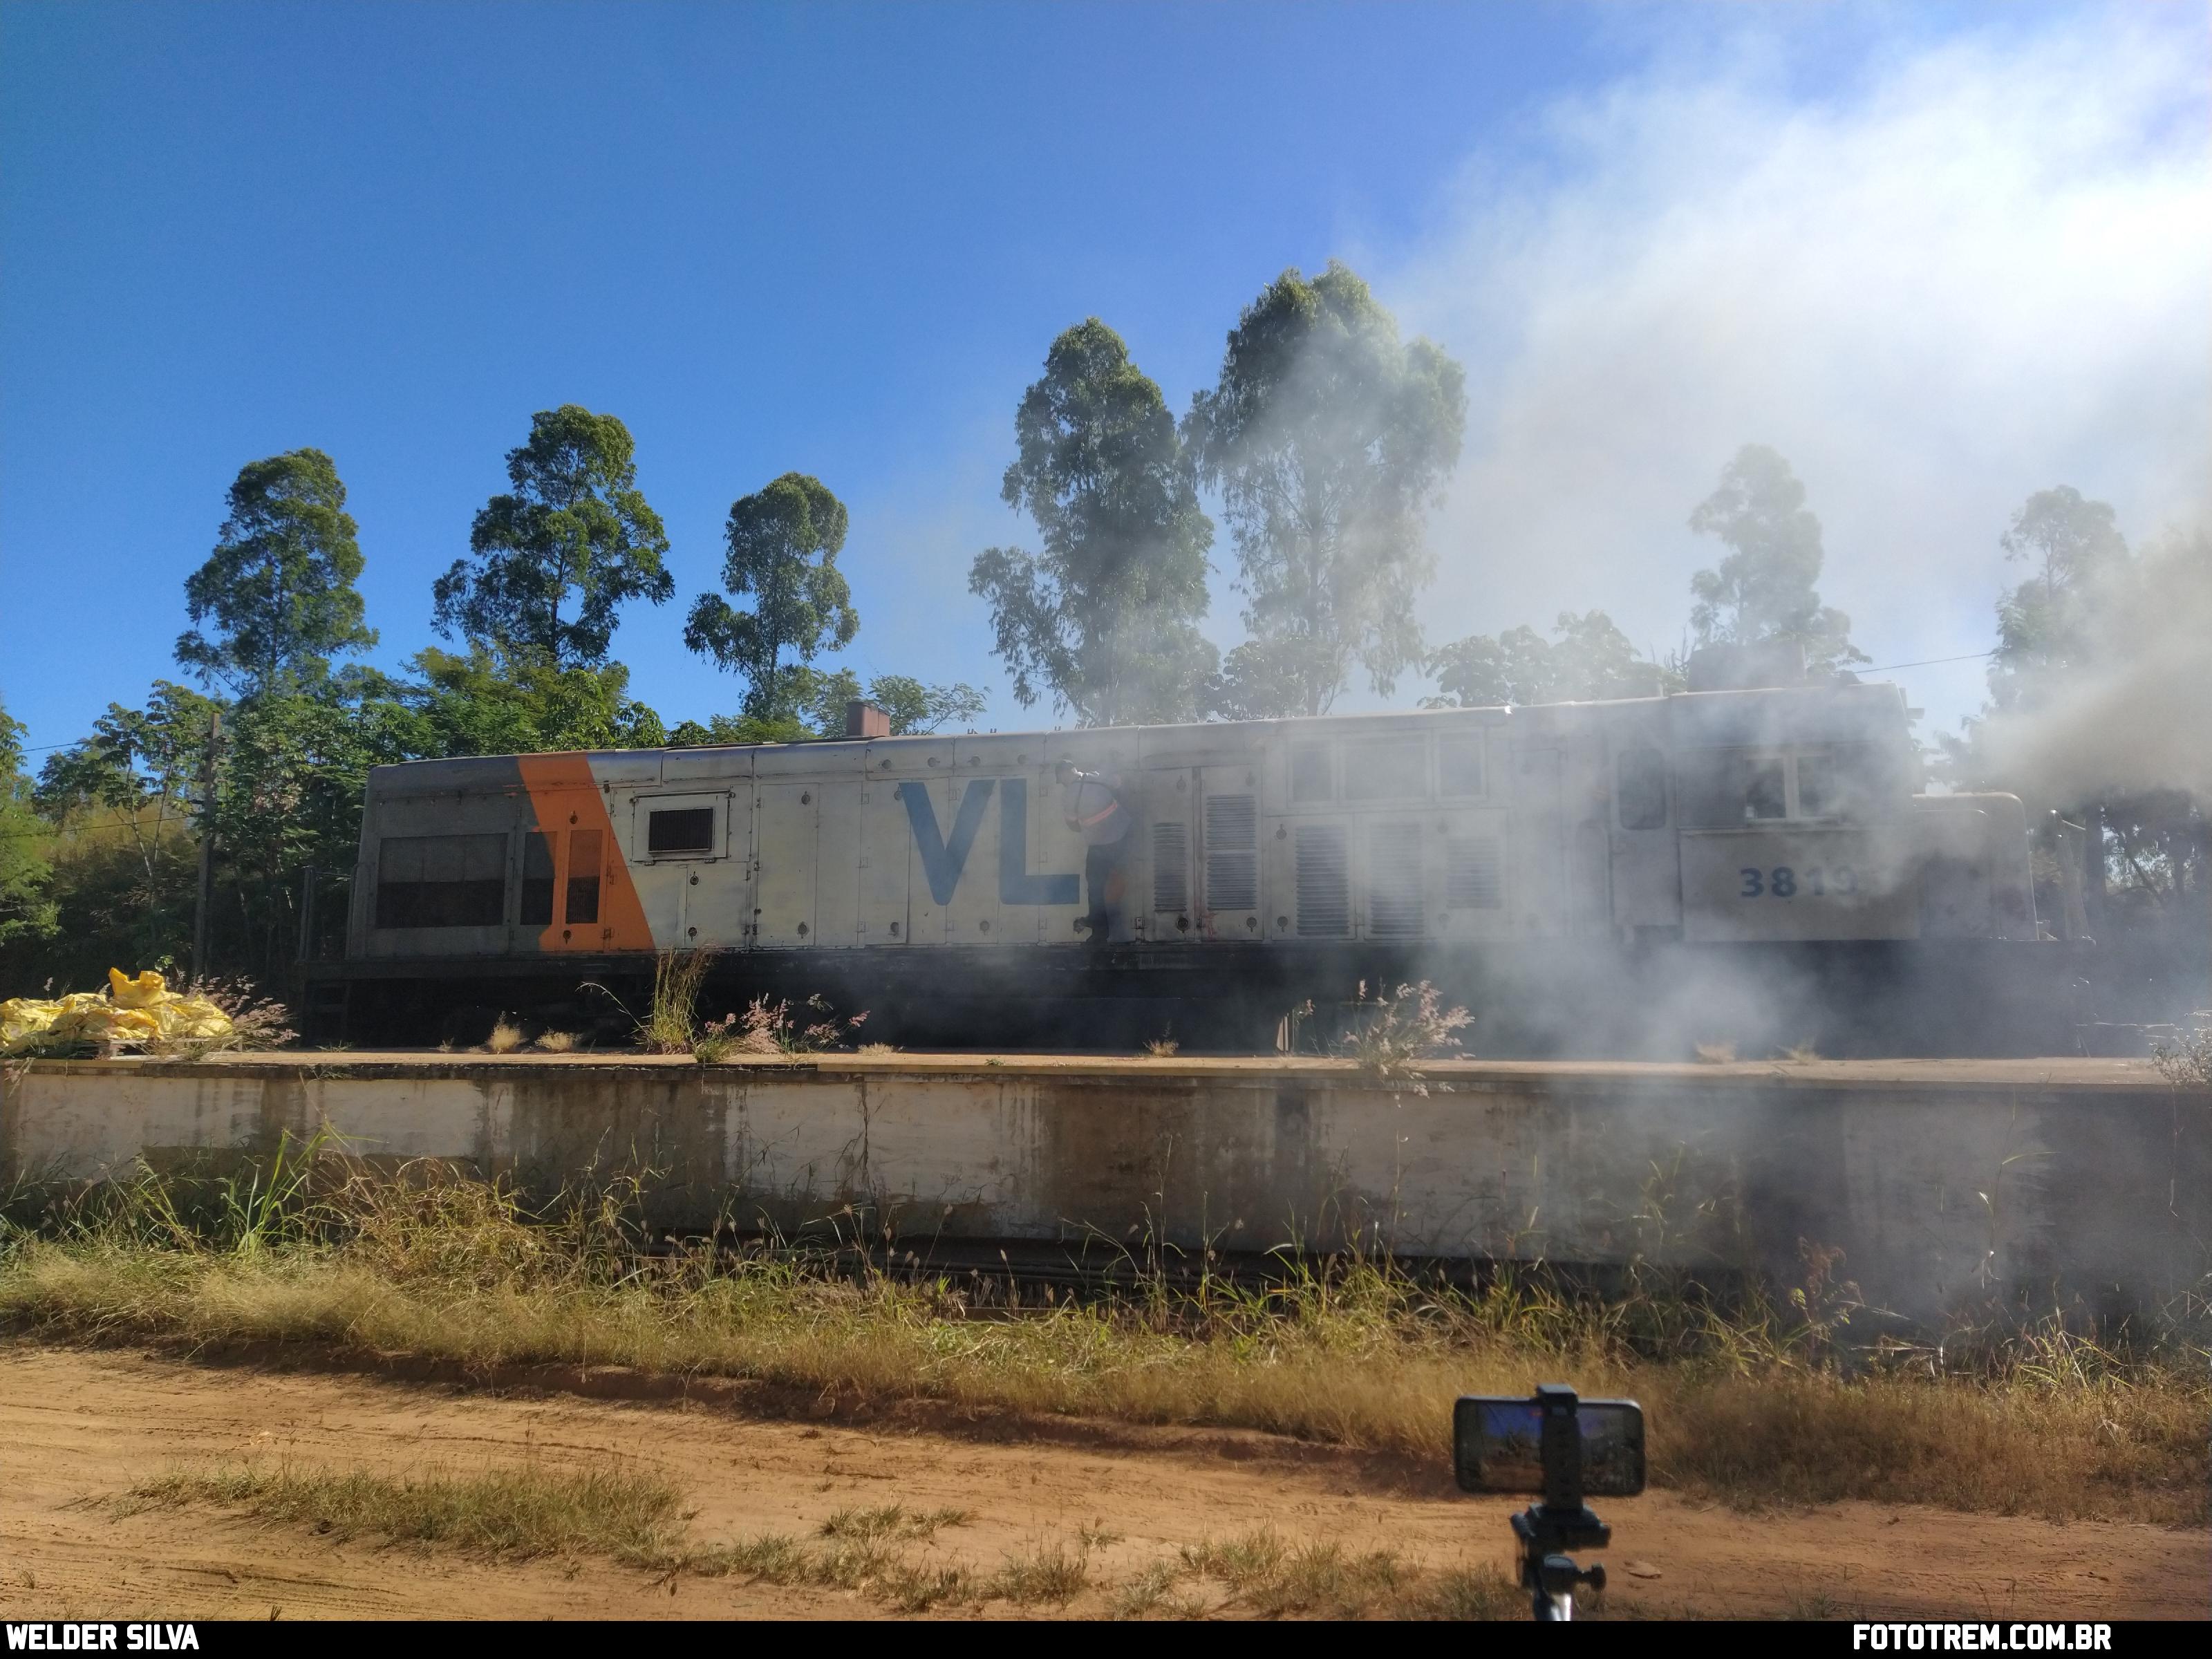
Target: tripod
{"points": [[1562, 1521]]}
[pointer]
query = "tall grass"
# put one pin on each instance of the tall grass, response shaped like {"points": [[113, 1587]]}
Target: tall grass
{"points": [[1754, 1396]]}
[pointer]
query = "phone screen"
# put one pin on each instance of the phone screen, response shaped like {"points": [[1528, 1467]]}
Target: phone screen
{"points": [[1498, 1445]]}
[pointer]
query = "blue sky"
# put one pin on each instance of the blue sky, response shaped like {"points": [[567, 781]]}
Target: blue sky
{"points": [[1940, 258]]}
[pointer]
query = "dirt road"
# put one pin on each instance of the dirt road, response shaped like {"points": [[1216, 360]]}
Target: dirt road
{"points": [[78, 1425]]}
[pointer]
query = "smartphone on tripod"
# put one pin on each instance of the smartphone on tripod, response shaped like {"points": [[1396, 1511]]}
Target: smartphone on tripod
{"points": [[1566, 1449]]}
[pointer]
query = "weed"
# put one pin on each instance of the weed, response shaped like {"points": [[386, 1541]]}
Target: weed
{"points": [[1163, 1047], [1255, 1559], [1467, 1594], [556, 1043], [255, 1021], [505, 1037], [878, 1050], [671, 1018], [1716, 1054], [514, 1514], [891, 1521], [1393, 1031], [1042, 1575], [1148, 1594], [2186, 1063], [771, 1028], [1802, 1053]]}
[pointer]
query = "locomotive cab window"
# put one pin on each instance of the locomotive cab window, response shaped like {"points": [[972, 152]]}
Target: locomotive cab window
{"points": [[1395, 768], [1721, 788], [678, 831], [1459, 765], [1845, 781], [1640, 787], [537, 908], [440, 881]]}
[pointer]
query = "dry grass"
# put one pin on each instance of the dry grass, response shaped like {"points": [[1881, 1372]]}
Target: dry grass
{"points": [[890, 1521], [1716, 1054], [556, 1043], [2186, 1062], [670, 1024], [638, 1519], [1163, 1047], [1047, 1573], [511, 1514], [505, 1037], [1751, 1404]]}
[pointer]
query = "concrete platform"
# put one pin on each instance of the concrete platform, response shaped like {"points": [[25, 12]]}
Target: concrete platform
{"points": [[1947, 1184]]}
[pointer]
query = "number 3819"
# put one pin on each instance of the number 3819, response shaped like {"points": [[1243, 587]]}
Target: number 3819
{"points": [[1783, 882]]}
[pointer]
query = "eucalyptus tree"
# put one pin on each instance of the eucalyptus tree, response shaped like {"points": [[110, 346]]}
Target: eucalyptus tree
{"points": [[1103, 618], [1762, 588], [276, 599], [783, 544], [551, 561], [1329, 438]]}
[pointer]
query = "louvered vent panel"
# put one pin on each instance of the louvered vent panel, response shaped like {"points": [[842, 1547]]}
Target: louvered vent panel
{"points": [[1394, 881], [1324, 895], [1471, 873], [1170, 868], [1232, 852]]}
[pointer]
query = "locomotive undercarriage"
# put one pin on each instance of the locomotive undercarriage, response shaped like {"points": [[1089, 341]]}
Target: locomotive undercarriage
{"points": [[1660, 1001]]}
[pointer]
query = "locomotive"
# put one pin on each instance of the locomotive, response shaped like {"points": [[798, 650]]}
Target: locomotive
{"points": [[1624, 877]]}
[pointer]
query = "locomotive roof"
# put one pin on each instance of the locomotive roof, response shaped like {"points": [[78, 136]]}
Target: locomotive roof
{"points": [[1773, 715]]}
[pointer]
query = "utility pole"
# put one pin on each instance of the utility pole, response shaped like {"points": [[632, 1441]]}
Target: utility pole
{"points": [[307, 913], [207, 846]]}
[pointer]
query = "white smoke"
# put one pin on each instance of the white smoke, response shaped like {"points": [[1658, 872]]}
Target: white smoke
{"points": [[2138, 714], [1977, 271]]}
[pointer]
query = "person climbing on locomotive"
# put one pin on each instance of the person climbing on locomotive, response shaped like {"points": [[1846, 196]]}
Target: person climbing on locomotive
{"points": [[1096, 813]]}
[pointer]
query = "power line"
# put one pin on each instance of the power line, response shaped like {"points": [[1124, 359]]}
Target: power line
{"points": [[1930, 662]]}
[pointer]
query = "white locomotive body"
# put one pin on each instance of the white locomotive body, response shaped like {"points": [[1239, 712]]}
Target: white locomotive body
{"points": [[1724, 818]]}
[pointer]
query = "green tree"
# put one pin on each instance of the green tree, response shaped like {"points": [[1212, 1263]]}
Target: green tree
{"points": [[783, 545], [2099, 701], [550, 562], [1763, 589], [1328, 438], [1105, 620], [27, 907], [2046, 624], [915, 707], [123, 805], [1588, 661], [490, 703], [815, 708], [279, 586]]}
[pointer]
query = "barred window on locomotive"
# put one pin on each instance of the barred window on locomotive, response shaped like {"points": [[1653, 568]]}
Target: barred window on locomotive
{"points": [[440, 881], [681, 829], [1395, 768]]}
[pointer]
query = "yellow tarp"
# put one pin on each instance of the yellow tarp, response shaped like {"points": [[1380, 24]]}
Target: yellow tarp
{"points": [[132, 1014]]}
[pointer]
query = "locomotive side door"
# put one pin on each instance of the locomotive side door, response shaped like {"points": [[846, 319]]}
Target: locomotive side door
{"points": [[1647, 868], [1536, 827], [1228, 852], [1586, 803], [784, 816]]}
